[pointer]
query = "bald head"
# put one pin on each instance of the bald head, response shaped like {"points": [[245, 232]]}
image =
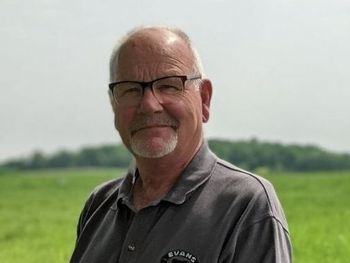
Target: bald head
{"points": [[154, 43]]}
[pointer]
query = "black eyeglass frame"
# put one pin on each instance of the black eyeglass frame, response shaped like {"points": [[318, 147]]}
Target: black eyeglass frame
{"points": [[144, 84]]}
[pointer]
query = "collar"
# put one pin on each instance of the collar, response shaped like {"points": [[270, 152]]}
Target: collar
{"points": [[197, 172]]}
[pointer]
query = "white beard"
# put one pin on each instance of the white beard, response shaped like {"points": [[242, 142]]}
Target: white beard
{"points": [[153, 148]]}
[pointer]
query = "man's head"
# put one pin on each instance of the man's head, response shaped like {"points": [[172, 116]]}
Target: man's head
{"points": [[167, 119]]}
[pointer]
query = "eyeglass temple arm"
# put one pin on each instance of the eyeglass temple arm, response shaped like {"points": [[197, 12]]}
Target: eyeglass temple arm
{"points": [[193, 76]]}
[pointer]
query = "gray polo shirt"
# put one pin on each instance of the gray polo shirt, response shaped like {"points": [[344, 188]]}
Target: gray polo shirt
{"points": [[216, 212]]}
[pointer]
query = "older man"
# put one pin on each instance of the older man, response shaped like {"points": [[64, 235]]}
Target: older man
{"points": [[178, 202]]}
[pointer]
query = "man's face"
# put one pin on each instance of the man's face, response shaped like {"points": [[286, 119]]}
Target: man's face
{"points": [[152, 129]]}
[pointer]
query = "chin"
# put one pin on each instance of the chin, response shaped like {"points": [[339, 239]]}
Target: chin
{"points": [[154, 147]]}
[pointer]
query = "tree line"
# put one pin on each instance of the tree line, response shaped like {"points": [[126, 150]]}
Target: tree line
{"points": [[249, 154], [254, 154], [99, 156]]}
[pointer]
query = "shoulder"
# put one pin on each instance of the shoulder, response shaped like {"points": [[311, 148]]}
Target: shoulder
{"points": [[102, 194], [244, 181], [253, 195], [106, 189], [255, 212]]}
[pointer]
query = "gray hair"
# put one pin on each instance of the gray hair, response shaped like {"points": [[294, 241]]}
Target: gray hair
{"points": [[113, 62]]}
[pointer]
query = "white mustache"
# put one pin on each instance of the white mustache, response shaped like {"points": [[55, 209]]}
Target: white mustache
{"points": [[146, 121]]}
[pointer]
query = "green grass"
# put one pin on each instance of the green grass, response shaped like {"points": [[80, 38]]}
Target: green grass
{"points": [[39, 212], [317, 206]]}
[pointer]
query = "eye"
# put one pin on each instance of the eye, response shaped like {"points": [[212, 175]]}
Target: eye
{"points": [[169, 88], [171, 85], [128, 89]]}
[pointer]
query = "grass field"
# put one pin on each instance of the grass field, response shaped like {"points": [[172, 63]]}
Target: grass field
{"points": [[39, 210]]}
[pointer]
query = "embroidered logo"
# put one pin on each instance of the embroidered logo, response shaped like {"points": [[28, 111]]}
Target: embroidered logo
{"points": [[179, 256]]}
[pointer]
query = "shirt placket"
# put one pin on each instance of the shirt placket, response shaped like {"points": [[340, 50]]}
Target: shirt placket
{"points": [[134, 242]]}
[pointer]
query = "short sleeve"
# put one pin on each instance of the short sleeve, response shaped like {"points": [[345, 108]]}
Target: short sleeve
{"points": [[266, 241], [261, 235]]}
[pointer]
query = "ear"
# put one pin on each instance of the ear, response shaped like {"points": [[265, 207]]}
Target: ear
{"points": [[206, 93]]}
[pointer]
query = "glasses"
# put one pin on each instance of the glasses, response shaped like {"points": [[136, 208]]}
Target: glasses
{"points": [[165, 89]]}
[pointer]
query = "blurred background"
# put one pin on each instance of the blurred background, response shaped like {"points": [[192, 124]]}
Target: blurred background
{"points": [[280, 69], [281, 76]]}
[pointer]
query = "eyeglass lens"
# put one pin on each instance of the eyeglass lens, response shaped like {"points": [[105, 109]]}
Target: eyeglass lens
{"points": [[165, 90]]}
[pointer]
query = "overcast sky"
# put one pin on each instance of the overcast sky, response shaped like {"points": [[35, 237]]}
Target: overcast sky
{"points": [[280, 68]]}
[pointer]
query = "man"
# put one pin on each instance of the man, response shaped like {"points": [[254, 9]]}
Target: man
{"points": [[178, 202]]}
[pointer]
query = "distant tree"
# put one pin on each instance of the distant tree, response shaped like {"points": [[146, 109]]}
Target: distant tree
{"points": [[105, 156], [251, 155], [60, 160], [87, 157], [37, 161]]}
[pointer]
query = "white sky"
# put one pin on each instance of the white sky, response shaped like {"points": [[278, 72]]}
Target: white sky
{"points": [[280, 68]]}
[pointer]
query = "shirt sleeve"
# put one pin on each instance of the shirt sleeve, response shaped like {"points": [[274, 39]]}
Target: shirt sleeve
{"points": [[266, 241], [84, 215], [261, 235], [102, 193]]}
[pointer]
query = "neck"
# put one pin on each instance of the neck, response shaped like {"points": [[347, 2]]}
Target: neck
{"points": [[158, 176]]}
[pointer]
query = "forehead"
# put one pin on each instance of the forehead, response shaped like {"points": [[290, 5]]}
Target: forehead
{"points": [[149, 55]]}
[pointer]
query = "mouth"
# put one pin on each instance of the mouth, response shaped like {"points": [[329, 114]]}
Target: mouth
{"points": [[144, 122], [153, 127]]}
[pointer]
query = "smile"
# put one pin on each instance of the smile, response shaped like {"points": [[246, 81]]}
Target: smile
{"points": [[152, 127]]}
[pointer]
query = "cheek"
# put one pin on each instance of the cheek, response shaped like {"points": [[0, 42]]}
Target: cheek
{"points": [[188, 112], [193, 106], [122, 119]]}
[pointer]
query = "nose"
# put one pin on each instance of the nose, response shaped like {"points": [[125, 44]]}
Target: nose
{"points": [[149, 102]]}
